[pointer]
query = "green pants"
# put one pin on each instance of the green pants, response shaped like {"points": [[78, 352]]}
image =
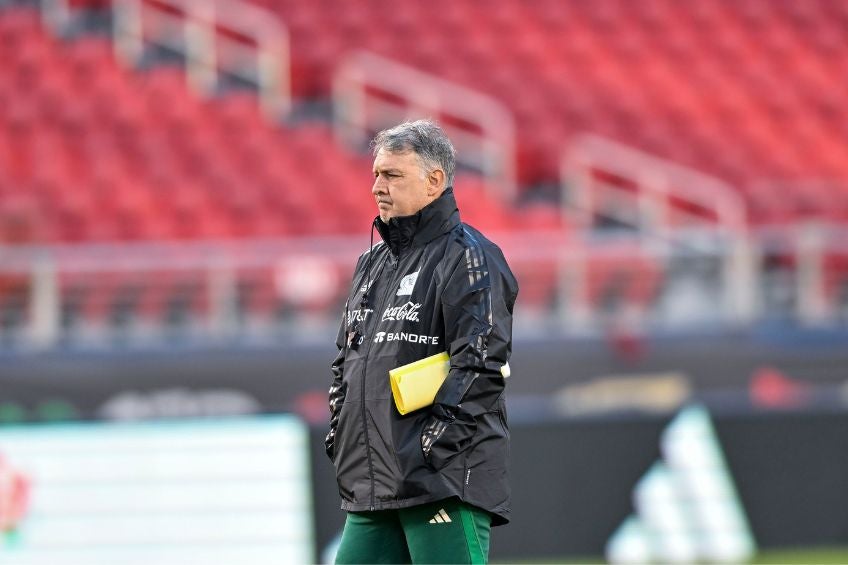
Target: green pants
{"points": [[447, 531]]}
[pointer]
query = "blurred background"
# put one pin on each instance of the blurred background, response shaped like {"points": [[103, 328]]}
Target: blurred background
{"points": [[184, 190]]}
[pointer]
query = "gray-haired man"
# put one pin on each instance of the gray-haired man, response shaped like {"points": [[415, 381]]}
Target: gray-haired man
{"points": [[425, 486]]}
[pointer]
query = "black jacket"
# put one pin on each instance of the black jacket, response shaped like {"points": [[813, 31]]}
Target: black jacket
{"points": [[433, 284]]}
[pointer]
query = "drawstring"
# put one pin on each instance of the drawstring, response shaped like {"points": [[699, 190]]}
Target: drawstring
{"points": [[355, 334], [364, 302]]}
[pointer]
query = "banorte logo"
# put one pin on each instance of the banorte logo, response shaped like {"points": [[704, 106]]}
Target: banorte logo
{"points": [[14, 496], [381, 337]]}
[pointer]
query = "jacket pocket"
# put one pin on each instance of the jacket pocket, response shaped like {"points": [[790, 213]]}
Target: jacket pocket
{"points": [[338, 439], [451, 440]]}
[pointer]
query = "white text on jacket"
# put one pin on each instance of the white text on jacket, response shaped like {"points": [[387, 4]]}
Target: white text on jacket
{"points": [[403, 336], [408, 312]]}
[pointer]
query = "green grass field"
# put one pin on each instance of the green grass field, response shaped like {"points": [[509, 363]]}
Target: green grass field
{"points": [[804, 556], [800, 556]]}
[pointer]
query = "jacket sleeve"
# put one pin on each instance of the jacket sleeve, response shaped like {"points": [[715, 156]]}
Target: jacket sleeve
{"points": [[477, 305], [338, 388]]}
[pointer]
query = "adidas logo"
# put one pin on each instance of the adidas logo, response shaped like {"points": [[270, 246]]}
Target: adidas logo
{"points": [[441, 517], [687, 507]]}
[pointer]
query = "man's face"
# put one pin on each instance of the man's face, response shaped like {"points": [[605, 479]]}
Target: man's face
{"points": [[401, 187]]}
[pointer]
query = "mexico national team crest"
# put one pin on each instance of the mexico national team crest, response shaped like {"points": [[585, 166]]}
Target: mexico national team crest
{"points": [[407, 283]]}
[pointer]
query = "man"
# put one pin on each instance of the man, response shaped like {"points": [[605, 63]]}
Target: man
{"points": [[425, 486]]}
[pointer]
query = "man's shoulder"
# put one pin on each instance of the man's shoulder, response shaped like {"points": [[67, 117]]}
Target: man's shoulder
{"points": [[481, 246], [471, 249], [469, 237], [376, 248]]}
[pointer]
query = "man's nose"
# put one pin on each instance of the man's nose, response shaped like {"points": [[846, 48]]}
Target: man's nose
{"points": [[379, 186]]}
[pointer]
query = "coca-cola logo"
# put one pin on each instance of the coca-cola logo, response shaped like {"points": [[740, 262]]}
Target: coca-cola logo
{"points": [[405, 312]]}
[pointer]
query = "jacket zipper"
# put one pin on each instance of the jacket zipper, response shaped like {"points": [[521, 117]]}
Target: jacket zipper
{"points": [[389, 286]]}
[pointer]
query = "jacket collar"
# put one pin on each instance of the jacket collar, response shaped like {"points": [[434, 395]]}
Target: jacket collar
{"points": [[435, 219]]}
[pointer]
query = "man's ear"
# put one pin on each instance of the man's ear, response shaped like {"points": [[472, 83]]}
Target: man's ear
{"points": [[435, 182]]}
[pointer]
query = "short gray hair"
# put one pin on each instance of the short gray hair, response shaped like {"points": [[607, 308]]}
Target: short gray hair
{"points": [[426, 139]]}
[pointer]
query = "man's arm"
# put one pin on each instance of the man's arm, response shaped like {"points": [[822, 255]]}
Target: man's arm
{"points": [[477, 306], [338, 388]]}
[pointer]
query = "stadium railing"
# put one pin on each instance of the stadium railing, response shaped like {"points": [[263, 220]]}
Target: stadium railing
{"points": [[664, 194], [662, 204], [160, 293], [220, 39], [371, 92]]}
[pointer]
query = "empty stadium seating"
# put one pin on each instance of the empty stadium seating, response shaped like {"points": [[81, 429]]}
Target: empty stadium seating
{"points": [[92, 151], [750, 91]]}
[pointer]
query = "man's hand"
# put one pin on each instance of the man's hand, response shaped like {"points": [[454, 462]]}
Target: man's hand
{"points": [[448, 431]]}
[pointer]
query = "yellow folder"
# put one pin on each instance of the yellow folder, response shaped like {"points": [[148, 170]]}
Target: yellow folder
{"points": [[415, 384]]}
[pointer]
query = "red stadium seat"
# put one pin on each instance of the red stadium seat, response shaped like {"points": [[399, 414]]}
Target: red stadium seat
{"points": [[687, 60], [746, 91]]}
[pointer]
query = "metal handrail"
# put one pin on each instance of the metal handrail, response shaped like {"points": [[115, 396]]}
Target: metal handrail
{"points": [[657, 184], [661, 177], [491, 149], [207, 27], [217, 266]]}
